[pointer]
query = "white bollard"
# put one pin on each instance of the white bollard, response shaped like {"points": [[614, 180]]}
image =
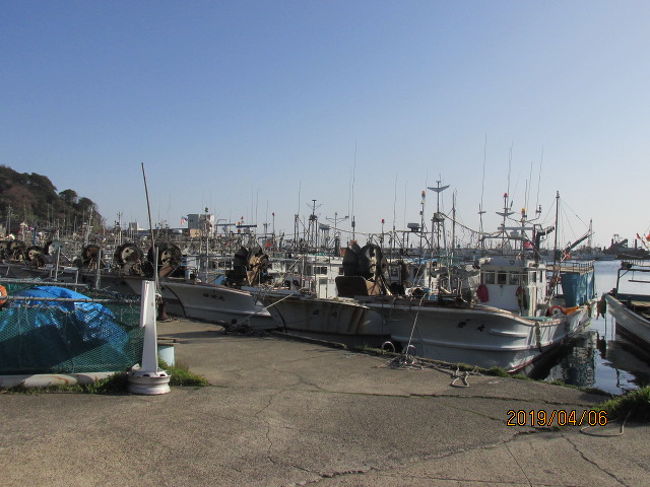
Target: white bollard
{"points": [[149, 379]]}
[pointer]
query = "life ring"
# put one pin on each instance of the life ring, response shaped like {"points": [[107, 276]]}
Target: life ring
{"points": [[3, 296], [556, 311]]}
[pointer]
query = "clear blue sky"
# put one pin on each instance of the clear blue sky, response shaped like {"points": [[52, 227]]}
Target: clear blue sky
{"points": [[233, 103]]}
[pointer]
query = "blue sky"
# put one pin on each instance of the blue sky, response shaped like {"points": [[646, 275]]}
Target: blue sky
{"points": [[234, 105]]}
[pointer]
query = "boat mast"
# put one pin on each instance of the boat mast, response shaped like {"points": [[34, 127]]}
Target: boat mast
{"points": [[555, 270], [437, 218], [453, 225], [422, 221], [153, 240], [505, 214], [481, 211]]}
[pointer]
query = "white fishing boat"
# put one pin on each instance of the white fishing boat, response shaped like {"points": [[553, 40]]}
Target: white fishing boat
{"points": [[342, 320], [512, 326], [517, 316], [303, 302], [631, 311], [182, 297]]}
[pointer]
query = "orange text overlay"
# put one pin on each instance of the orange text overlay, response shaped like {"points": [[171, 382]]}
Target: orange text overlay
{"points": [[556, 417]]}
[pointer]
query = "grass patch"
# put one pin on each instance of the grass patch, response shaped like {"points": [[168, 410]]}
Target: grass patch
{"points": [[634, 406], [182, 376], [521, 376], [588, 390], [114, 384], [497, 371]]}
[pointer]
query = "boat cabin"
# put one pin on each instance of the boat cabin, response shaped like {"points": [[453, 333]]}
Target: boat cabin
{"points": [[513, 284]]}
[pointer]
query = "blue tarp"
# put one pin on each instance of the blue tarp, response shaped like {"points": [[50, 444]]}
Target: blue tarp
{"points": [[578, 288], [47, 336]]}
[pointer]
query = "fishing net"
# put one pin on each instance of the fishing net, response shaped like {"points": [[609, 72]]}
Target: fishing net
{"points": [[67, 333]]}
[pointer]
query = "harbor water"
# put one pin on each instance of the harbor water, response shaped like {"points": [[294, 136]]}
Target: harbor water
{"points": [[599, 357]]}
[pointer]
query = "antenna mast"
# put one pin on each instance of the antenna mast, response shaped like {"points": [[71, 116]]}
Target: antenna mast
{"points": [[437, 217], [481, 211]]}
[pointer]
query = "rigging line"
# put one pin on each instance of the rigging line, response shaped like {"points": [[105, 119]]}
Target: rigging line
{"points": [[514, 191], [460, 224], [575, 213], [539, 178], [567, 223], [354, 174], [509, 167], [394, 201], [529, 184], [483, 178], [404, 220]]}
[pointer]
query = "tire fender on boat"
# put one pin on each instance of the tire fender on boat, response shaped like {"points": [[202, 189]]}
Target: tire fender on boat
{"points": [[3, 296], [556, 311]]}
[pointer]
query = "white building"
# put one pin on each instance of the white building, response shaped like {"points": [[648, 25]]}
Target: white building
{"points": [[196, 223]]}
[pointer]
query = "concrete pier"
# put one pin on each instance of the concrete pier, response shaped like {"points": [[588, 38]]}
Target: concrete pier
{"points": [[287, 413]]}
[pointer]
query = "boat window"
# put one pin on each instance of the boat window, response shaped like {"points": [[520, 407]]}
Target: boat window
{"points": [[533, 276], [514, 278], [340, 271], [321, 270], [524, 279], [502, 277], [488, 278]]}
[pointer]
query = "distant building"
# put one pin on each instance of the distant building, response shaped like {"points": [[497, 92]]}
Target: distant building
{"points": [[199, 223]]}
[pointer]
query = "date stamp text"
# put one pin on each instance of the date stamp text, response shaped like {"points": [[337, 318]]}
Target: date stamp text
{"points": [[556, 417]]}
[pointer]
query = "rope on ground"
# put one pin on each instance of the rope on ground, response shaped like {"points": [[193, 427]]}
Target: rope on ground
{"points": [[408, 361], [463, 377], [585, 430]]}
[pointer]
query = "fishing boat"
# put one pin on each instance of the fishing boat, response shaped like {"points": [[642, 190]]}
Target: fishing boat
{"points": [[631, 311], [517, 314], [304, 303], [512, 325], [184, 296]]}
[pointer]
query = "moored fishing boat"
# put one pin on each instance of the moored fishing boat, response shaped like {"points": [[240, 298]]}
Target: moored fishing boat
{"points": [[515, 315], [514, 323], [631, 311]]}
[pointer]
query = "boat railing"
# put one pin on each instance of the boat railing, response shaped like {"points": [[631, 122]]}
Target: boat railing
{"points": [[642, 265], [572, 267]]}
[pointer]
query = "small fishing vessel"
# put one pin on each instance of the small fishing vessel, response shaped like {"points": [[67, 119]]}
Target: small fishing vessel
{"points": [[304, 303], [516, 314], [631, 311], [514, 322]]}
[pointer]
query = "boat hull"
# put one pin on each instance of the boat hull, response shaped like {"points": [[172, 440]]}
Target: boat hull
{"points": [[336, 319], [198, 301], [635, 326], [217, 304], [481, 335]]}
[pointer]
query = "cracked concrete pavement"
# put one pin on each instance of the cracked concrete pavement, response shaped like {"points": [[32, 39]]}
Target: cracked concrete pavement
{"points": [[290, 413]]}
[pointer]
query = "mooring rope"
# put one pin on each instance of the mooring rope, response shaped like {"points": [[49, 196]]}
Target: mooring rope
{"points": [[585, 429]]}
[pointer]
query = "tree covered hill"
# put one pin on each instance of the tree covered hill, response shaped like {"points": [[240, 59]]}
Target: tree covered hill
{"points": [[33, 199]]}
